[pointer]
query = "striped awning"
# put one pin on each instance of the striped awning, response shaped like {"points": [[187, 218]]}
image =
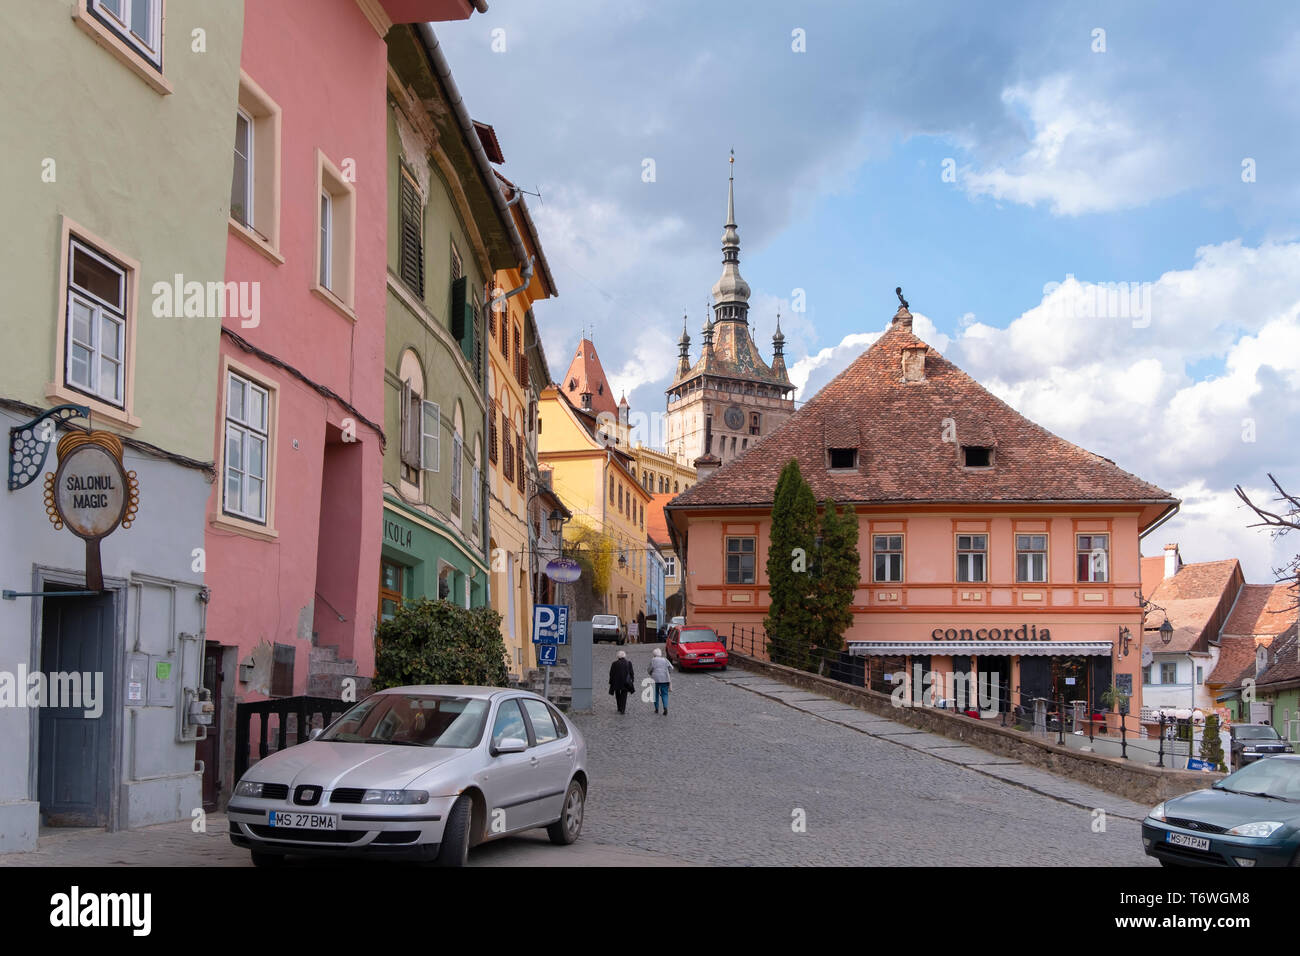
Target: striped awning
{"points": [[961, 648]]}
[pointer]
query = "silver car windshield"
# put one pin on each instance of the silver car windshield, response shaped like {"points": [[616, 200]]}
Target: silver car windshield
{"points": [[414, 720]]}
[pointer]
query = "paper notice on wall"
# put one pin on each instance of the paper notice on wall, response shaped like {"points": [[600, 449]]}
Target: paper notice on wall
{"points": [[135, 691]]}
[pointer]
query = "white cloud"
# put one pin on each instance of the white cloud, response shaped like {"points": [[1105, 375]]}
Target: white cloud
{"points": [[1083, 154]]}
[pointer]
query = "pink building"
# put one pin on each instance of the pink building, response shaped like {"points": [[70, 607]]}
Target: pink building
{"points": [[293, 533]]}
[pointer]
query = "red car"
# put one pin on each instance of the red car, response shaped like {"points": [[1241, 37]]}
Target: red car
{"points": [[695, 647]]}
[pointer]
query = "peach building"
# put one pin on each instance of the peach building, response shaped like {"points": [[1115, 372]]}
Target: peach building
{"points": [[986, 542]]}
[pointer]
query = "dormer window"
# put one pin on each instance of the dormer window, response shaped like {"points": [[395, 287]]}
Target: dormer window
{"points": [[843, 459], [977, 456]]}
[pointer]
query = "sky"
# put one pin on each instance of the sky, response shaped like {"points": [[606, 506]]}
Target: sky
{"points": [[1091, 208]]}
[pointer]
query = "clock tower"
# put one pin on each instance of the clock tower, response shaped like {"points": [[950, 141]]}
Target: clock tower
{"points": [[729, 399]]}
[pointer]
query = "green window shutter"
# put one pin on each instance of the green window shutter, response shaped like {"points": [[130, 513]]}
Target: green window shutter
{"points": [[411, 234], [462, 317]]}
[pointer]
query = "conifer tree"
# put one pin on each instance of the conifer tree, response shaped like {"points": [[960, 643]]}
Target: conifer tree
{"points": [[836, 580], [791, 621]]}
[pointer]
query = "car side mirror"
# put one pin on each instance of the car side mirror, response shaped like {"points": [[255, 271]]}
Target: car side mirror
{"points": [[509, 745]]}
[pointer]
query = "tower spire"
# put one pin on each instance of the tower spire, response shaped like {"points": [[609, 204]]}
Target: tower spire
{"points": [[731, 292]]}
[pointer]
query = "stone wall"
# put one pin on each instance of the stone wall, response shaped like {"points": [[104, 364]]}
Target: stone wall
{"points": [[1137, 782]]}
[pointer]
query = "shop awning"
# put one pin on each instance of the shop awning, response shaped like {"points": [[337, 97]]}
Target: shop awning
{"points": [[962, 648]]}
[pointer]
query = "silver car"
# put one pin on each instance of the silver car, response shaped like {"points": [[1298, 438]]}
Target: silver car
{"points": [[419, 772]]}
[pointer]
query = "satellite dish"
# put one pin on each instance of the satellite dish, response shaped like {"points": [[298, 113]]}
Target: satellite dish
{"points": [[1147, 656]]}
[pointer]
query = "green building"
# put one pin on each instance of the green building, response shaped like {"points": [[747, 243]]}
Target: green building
{"points": [[449, 231]]}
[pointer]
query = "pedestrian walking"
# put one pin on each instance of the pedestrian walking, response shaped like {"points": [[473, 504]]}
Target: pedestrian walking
{"points": [[622, 680], [661, 670]]}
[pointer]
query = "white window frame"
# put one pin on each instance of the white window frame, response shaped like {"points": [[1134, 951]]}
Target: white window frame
{"points": [[1034, 575], [969, 554], [326, 277], [100, 309], [888, 554], [149, 47], [1095, 575], [246, 432], [430, 441], [670, 566], [250, 218]]}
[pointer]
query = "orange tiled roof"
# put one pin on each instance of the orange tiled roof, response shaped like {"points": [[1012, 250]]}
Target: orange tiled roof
{"points": [[1262, 609], [901, 429], [1191, 598], [586, 374]]}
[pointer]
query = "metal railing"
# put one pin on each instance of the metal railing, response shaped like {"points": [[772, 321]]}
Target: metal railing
{"points": [[274, 718]]}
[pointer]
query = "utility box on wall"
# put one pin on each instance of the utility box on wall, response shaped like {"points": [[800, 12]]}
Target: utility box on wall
{"points": [[150, 680]]}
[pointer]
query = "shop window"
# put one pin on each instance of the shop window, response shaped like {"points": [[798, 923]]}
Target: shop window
{"points": [[740, 560], [972, 557], [1031, 558], [392, 578], [887, 557], [1092, 557]]}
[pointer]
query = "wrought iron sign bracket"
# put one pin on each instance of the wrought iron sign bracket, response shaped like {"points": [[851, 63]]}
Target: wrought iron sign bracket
{"points": [[29, 443]]}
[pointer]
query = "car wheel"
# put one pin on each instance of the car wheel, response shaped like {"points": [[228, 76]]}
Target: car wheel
{"points": [[266, 859], [567, 829], [454, 850]]}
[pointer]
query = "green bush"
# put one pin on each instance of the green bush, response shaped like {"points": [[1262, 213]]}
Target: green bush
{"points": [[437, 642]]}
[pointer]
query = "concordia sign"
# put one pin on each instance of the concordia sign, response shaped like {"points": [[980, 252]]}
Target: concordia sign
{"points": [[1025, 632]]}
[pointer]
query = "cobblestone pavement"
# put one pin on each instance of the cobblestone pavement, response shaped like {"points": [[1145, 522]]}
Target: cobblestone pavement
{"points": [[724, 778], [740, 759]]}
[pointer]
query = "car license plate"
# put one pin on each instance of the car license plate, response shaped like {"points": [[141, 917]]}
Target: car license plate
{"points": [[304, 821], [706, 660], [1195, 843]]}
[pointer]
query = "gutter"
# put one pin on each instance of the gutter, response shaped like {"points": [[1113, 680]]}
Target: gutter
{"points": [[1173, 510], [442, 70]]}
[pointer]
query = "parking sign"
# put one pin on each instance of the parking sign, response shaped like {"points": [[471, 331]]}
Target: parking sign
{"points": [[550, 624]]}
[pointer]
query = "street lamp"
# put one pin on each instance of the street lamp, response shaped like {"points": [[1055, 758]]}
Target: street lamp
{"points": [[556, 521], [1166, 632]]}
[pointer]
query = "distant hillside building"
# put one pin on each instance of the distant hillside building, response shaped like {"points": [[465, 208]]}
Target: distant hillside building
{"points": [[730, 398]]}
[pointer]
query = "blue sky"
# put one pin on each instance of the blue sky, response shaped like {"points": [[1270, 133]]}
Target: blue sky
{"points": [[1114, 165]]}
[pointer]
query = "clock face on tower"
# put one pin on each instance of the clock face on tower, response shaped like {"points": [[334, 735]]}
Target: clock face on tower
{"points": [[734, 417]]}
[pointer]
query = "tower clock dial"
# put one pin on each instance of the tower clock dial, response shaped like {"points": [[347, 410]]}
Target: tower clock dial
{"points": [[734, 417]]}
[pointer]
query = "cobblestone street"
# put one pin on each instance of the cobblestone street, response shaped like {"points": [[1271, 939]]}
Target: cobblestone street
{"points": [[719, 780], [725, 776]]}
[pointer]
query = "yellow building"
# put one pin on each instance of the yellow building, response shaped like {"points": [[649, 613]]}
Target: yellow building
{"points": [[516, 369], [661, 473], [583, 444]]}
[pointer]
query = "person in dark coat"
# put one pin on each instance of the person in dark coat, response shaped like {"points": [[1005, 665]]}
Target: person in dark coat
{"points": [[622, 680]]}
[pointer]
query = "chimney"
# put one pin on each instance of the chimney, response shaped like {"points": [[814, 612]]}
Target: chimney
{"points": [[1173, 560], [914, 363], [706, 465]]}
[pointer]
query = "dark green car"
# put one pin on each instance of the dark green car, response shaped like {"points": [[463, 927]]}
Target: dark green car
{"points": [[1249, 818]]}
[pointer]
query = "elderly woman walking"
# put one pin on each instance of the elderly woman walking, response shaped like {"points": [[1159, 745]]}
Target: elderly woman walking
{"points": [[622, 680], [661, 670]]}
